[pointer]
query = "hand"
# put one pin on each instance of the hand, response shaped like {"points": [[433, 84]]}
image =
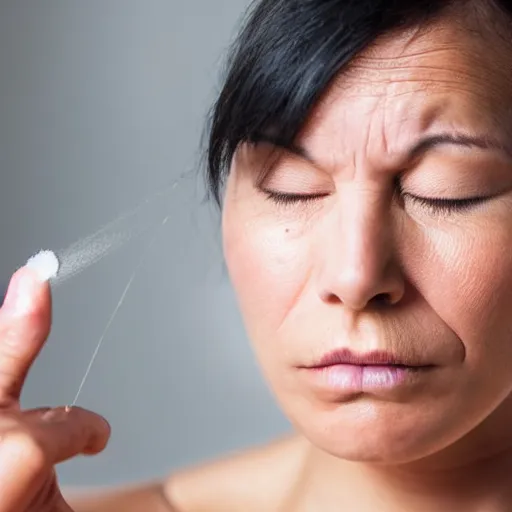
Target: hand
{"points": [[33, 441]]}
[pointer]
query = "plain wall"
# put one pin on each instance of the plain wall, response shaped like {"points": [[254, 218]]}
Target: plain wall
{"points": [[101, 103]]}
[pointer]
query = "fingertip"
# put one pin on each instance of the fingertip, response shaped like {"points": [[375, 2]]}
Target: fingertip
{"points": [[101, 421], [99, 439], [95, 446], [25, 292], [104, 428], [98, 426]]}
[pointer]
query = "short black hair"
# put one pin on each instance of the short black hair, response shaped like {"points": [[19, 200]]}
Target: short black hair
{"points": [[286, 55]]}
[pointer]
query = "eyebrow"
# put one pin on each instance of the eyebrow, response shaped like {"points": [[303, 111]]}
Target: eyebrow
{"points": [[294, 148], [430, 142], [418, 149]]}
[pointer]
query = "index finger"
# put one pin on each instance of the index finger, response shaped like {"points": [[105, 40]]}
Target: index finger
{"points": [[25, 319]]}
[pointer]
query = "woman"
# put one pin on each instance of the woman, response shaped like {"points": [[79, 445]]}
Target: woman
{"points": [[362, 154]]}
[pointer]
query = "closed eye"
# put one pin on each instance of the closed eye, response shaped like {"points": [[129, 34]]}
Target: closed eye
{"points": [[435, 205], [287, 198], [446, 205]]}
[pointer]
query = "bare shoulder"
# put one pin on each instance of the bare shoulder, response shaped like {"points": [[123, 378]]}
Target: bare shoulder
{"points": [[254, 480]]}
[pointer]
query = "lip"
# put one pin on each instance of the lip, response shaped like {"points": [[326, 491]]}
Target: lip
{"points": [[344, 374], [374, 358]]}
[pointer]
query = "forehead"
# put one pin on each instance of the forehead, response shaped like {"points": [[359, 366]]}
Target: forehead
{"points": [[441, 78]]}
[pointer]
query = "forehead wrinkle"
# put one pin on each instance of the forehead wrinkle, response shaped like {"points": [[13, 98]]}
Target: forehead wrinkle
{"points": [[451, 80], [389, 128], [483, 95], [476, 58], [481, 80], [386, 128]]}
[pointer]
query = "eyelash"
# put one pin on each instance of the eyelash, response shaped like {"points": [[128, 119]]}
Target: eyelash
{"points": [[282, 198], [447, 205], [435, 205]]}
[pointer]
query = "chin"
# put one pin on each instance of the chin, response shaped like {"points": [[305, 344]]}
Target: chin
{"points": [[381, 433]]}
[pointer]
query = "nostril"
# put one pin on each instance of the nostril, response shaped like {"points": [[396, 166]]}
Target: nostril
{"points": [[332, 298], [382, 299]]}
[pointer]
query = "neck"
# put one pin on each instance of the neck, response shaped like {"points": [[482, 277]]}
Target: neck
{"points": [[471, 475]]}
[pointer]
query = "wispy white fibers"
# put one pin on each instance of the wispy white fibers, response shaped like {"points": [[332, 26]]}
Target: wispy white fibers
{"points": [[64, 264], [89, 250], [116, 309]]}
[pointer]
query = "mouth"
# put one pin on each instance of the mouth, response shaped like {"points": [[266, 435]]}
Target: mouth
{"points": [[348, 373], [375, 359]]}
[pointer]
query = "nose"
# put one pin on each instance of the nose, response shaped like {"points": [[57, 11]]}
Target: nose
{"points": [[359, 266]]}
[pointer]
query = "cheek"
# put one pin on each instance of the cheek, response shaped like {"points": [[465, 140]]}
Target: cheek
{"points": [[268, 267], [465, 275]]}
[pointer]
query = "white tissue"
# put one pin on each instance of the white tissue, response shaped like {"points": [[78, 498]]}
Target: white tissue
{"points": [[45, 263]]}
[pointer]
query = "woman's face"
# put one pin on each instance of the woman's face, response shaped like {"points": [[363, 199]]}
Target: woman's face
{"points": [[384, 243]]}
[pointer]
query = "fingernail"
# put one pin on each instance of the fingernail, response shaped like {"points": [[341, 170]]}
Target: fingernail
{"points": [[20, 294]]}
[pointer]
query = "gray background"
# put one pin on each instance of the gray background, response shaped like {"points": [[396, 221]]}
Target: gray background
{"points": [[101, 103]]}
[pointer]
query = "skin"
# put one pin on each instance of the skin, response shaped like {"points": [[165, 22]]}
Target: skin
{"points": [[310, 275], [363, 265]]}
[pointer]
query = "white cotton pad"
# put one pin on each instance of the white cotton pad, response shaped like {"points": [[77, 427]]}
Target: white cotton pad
{"points": [[45, 263]]}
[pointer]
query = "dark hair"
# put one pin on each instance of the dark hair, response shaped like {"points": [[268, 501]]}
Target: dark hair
{"points": [[286, 55]]}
